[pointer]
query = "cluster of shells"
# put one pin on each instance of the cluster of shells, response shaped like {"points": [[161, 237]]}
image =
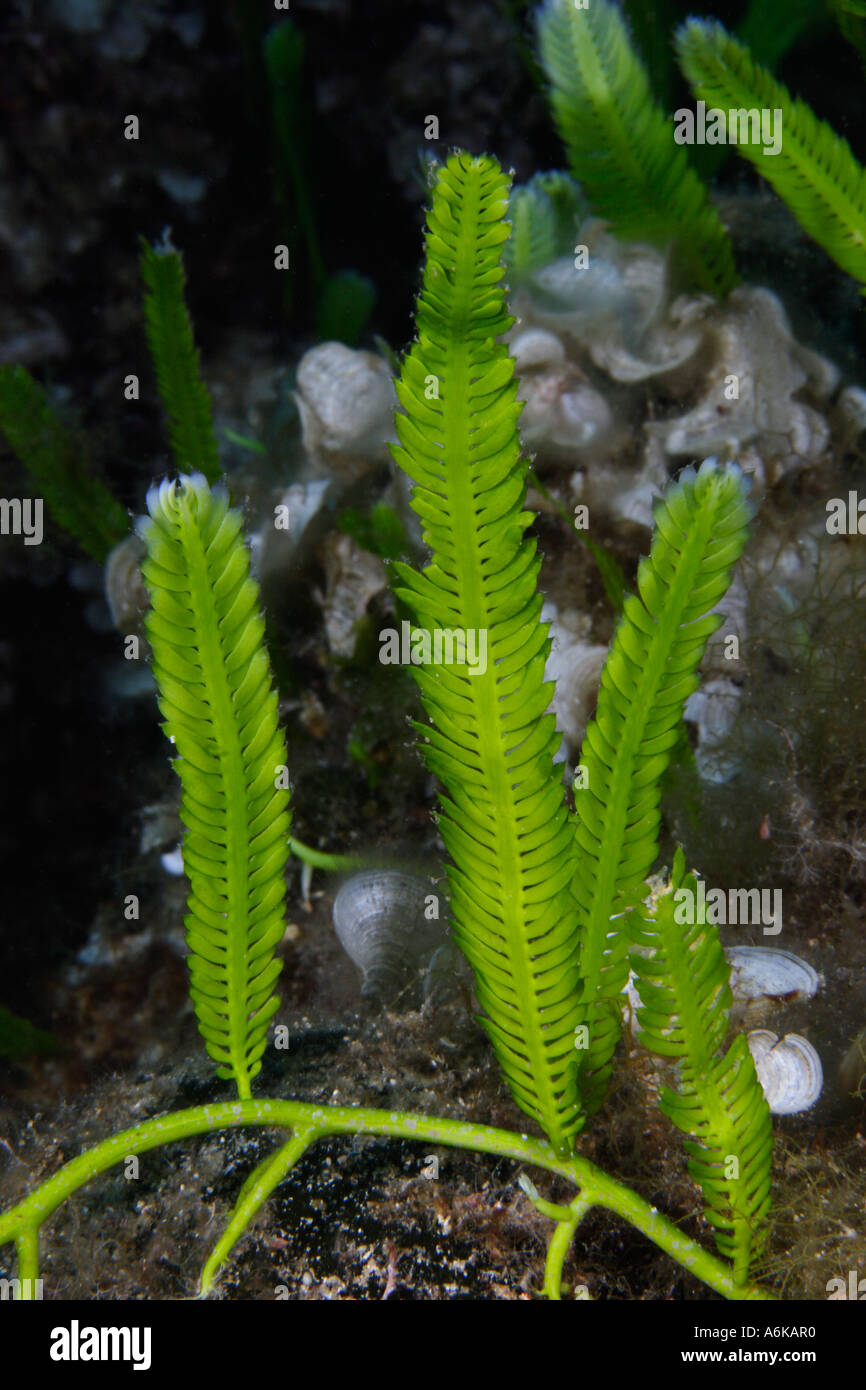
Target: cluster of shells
{"points": [[383, 922], [764, 980], [623, 383], [607, 346]]}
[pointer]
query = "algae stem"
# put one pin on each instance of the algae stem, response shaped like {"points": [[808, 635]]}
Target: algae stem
{"points": [[312, 1122]]}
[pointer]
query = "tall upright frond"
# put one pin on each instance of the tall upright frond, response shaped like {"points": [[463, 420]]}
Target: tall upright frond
{"points": [[490, 742], [650, 671], [220, 712], [814, 169], [620, 144]]}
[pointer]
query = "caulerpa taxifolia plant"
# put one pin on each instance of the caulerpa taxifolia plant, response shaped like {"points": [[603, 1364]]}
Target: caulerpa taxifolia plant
{"points": [[541, 900]]}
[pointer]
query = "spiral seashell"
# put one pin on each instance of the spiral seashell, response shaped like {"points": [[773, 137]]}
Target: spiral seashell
{"points": [[379, 917], [789, 1070]]}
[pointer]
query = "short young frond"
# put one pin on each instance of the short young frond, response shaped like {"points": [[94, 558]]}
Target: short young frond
{"points": [[175, 358], [544, 216], [682, 978]]}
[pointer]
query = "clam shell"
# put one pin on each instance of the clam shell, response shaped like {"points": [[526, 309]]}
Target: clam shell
{"points": [[380, 923], [789, 1070], [767, 973]]}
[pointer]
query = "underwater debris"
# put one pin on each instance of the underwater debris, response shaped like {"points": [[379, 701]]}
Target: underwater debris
{"points": [[756, 370], [275, 551], [623, 493], [617, 308], [852, 1068], [849, 418], [713, 710], [560, 409], [353, 577]]}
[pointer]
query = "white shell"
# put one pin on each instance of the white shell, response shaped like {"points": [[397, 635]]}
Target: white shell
{"points": [[624, 494], [380, 923], [575, 665], [752, 346], [173, 862], [580, 300], [789, 1070], [849, 416], [765, 972], [125, 589], [347, 402], [535, 347], [353, 578], [277, 552], [560, 410]]}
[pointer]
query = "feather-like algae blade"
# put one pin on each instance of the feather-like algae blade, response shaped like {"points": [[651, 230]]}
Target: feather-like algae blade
{"points": [[620, 143], [683, 980], [503, 815], [176, 361], [813, 168], [647, 678], [220, 711]]}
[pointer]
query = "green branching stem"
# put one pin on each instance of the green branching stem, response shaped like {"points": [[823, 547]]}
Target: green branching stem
{"points": [[312, 1122], [59, 464], [619, 144], [319, 859], [265, 1177], [560, 1244], [27, 1250], [567, 1219]]}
